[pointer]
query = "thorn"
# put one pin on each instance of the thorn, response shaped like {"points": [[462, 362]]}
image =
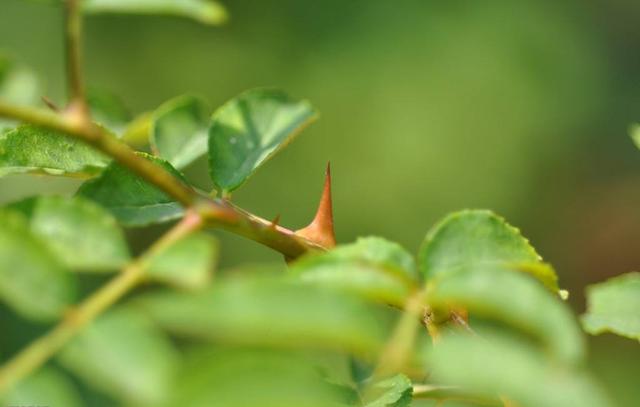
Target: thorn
{"points": [[275, 222], [49, 103], [320, 230]]}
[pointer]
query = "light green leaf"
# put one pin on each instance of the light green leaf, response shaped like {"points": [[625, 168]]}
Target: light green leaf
{"points": [[475, 238], [395, 391], [179, 131], [46, 387], [269, 312], [635, 134], [373, 267], [248, 130], [108, 110], [133, 201], [32, 280], [188, 263], [36, 150], [614, 306], [245, 377], [515, 300], [137, 132], [18, 85], [124, 355], [499, 365], [80, 233], [204, 11]]}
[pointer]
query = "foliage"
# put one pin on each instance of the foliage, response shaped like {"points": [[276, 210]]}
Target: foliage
{"points": [[335, 326]]}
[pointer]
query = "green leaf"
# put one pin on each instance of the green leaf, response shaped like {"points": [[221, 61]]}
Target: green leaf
{"points": [[46, 387], [179, 131], [80, 233], [635, 134], [108, 110], [515, 300], [269, 312], [124, 355], [32, 280], [500, 365], [188, 263], [133, 201], [222, 377], [395, 391], [204, 11], [373, 267], [248, 130], [614, 306], [36, 150], [475, 238]]}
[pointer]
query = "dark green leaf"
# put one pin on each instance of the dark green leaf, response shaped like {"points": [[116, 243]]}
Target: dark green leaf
{"points": [[179, 132], [515, 300], [133, 201], [108, 110], [204, 11], [124, 355], [32, 280], [46, 387], [36, 150], [374, 267], [614, 306], [499, 365], [188, 263], [80, 233], [269, 312], [395, 391], [248, 130]]}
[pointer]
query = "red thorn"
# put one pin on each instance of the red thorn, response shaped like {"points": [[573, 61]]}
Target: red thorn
{"points": [[320, 230], [275, 222]]}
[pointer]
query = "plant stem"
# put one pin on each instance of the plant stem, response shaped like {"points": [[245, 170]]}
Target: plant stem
{"points": [[42, 349], [73, 45]]}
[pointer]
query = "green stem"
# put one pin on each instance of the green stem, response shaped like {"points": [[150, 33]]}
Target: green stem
{"points": [[73, 36], [41, 350]]}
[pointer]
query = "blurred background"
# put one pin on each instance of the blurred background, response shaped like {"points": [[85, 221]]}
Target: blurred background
{"points": [[426, 107]]}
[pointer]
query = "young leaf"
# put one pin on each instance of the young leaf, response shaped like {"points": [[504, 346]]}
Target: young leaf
{"points": [[204, 11], [179, 130], [124, 355], [80, 233], [221, 377], [515, 300], [499, 365], [248, 130], [18, 85], [395, 391], [108, 110], [614, 306], [269, 312], [373, 267], [188, 263], [34, 149], [635, 134], [46, 387], [32, 280], [476, 238], [133, 201]]}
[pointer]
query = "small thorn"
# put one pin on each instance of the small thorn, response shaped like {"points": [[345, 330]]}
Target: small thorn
{"points": [[49, 103], [275, 222], [320, 230]]}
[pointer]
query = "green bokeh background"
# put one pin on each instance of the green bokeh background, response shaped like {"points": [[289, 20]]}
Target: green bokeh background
{"points": [[427, 107]]}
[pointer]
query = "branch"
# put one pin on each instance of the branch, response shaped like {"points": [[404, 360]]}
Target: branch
{"points": [[73, 45], [41, 350]]}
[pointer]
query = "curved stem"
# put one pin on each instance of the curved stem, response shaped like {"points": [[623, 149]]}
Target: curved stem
{"points": [[42, 349]]}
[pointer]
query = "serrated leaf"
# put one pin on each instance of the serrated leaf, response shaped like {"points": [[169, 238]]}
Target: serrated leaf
{"points": [[108, 110], [80, 233], [614, 306], [46, 387], [32, 149], [188, 263], [132, 200], [395, 391], [477, 238], [204, 11], [248, 130], [372, 266], [124, 355], [269, 312], [500, 365], [179, 131], [246, 377], [32, 280], [516, 301]]}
